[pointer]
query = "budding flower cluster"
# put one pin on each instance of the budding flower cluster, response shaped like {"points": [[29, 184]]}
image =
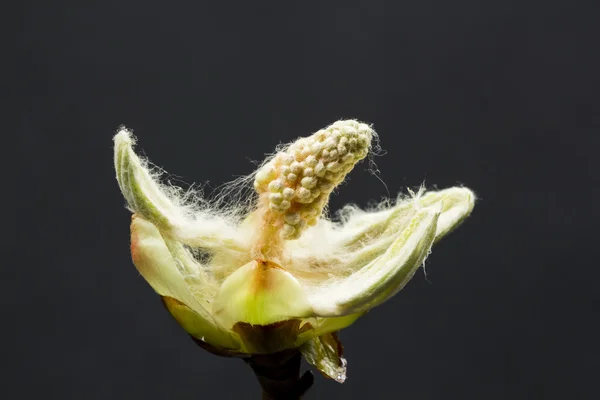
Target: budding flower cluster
{"points": [[298, 181], [238, 288]]}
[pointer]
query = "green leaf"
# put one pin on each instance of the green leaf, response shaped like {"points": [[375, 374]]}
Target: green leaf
{"points": [[260, 293], [384, 276]]}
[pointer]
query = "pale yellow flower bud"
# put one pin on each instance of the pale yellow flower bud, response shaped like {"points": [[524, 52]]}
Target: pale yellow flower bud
{"points": [[299, 179]]}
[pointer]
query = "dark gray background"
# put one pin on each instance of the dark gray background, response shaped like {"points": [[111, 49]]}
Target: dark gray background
{"points": [[500, 96]]}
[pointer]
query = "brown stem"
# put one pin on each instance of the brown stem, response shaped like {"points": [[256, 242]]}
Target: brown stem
{"points": [[279, 375]]}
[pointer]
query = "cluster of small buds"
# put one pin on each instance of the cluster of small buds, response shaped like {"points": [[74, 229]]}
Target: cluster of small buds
{"points": [[299, 180]]}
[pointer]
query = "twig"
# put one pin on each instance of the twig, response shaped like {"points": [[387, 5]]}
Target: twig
{"points": [[279, 375]]}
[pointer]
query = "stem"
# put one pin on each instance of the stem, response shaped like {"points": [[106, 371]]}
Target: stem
{"points": [[279, 375]]}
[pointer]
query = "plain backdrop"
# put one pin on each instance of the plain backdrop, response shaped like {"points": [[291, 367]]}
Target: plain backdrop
{"points": [[499, 96]]}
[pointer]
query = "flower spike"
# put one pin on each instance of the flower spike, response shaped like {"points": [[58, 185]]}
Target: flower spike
{"points": [[297, 182]]}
